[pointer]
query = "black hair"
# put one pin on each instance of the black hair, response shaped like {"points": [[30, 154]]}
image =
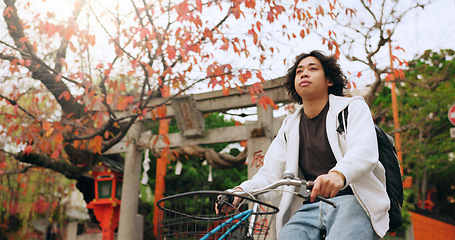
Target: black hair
{"points": [[332, 71]]}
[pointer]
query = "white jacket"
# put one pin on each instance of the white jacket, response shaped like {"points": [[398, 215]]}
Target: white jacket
{"points": [[356, 153]]}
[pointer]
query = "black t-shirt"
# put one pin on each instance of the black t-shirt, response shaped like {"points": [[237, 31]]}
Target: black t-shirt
{"points": [[315, 155]]}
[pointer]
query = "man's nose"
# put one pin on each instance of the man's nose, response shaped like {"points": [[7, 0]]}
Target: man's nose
{"points": [[305, 74]]}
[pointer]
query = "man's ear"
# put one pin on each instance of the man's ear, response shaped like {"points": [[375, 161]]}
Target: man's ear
{"points": [[330, 83]]}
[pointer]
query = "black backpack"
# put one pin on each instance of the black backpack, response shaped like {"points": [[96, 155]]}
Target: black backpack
{"points": [[388, 158]]}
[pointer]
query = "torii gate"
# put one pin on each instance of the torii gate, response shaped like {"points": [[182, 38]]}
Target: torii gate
{"points": [[207, 102]]}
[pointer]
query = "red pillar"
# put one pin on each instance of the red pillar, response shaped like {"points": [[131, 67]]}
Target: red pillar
{"points": [[159, 189]]}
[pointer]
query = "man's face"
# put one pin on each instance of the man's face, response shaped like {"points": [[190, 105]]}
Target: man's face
{"points": [[310, 81]]}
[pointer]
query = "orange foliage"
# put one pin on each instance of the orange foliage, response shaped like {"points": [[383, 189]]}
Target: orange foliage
{"points": [[95, 75]]}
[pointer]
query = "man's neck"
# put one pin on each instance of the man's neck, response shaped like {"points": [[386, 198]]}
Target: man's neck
{"points": [[312, 108]]}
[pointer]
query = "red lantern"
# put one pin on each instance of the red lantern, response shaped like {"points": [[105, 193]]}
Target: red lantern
{"points": [[106, 205]]}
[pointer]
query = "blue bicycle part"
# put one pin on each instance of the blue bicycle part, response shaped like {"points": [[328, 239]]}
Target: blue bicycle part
{"points": [[244, 215]]}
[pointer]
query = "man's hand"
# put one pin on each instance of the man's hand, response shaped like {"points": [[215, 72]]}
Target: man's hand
{"points": [[327, 185], [227, 207]]}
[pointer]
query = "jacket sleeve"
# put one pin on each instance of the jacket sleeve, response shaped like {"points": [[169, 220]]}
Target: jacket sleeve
{"points": [[361, 155], [273, 168]]}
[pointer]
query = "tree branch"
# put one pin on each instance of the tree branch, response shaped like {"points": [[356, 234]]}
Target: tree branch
{"points": [[70, 171], [61, 52], [14, 103]]}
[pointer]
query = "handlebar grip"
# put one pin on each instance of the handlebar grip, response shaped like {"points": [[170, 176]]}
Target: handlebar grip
{"points": [[224, 199]]}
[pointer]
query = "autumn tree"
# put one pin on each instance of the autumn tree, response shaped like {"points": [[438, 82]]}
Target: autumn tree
{"points": [[363, 39], [426, 94], [78, 74]]}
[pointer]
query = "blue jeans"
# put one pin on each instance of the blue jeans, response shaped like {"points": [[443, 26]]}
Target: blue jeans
{"points": [[347, 221]]}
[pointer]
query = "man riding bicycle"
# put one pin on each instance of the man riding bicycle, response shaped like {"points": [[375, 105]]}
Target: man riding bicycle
{"points": [[344, 167]]}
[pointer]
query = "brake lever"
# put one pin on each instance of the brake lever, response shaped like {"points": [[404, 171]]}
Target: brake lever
{"points": [[305, 192]]}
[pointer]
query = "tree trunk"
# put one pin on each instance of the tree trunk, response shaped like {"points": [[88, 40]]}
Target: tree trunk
{"points": [[423, 189]]}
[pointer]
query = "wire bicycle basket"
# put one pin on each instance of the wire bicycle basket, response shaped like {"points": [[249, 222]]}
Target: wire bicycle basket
{"points": [[192, 215]]}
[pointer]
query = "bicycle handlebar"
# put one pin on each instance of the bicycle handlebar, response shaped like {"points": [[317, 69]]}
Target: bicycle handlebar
{"points": [[287, 180]]}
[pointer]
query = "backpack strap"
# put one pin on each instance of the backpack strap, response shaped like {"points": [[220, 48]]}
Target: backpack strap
{"points": [[343, 121]]}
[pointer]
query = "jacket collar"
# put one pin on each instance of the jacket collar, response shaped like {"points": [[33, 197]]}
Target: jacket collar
{"points": [[337, 104]]}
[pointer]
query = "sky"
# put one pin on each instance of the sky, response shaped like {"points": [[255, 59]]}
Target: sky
{"points": [[429, 28]]}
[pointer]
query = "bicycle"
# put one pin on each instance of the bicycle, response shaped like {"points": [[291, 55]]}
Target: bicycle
{"points": [[191, 215]]}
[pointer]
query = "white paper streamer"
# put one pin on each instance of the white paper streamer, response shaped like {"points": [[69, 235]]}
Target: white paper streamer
{"points": [[146, 166], [210, 174], [178, 168]]}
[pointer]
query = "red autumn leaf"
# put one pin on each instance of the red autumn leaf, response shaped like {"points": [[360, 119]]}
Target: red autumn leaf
{"points": [[49, 132], [96, 144], [23, 39], [153, 113], [7, 12], [91, 39], [46, 125], [122, 103], [155, 140], [401, 74], [145, 32], [359, 74], [270, 16], [199, 5], [399, 48], [320, 11], [161, 111], [55, 154], [259, 26], [58, 78], [66, 95], [182, 9], [164, 127], [387, 77], [166, 139], [109, 99], [225, 91], [28, 149], [225, 45], [122, 87], [77, 143], [171, 52], [145, 111], [259, 75], [68, 33], [58, 138], [208, 34], [264, 101], [255, 35], [236, 12], [165, 91], [150, 71]]}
